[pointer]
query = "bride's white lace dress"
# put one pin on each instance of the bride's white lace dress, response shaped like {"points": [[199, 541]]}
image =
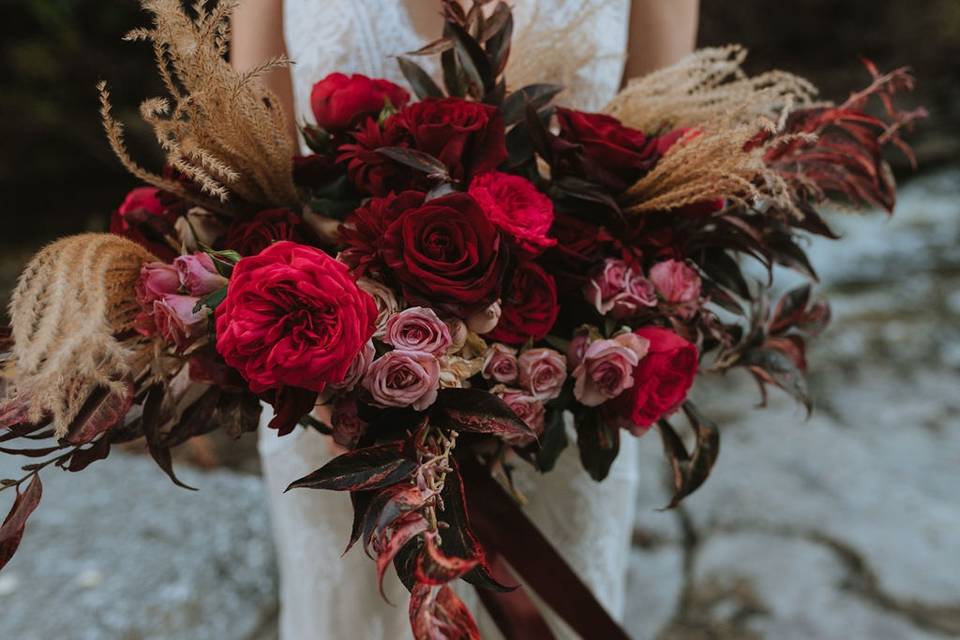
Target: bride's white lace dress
{"points": [[324, 595]]}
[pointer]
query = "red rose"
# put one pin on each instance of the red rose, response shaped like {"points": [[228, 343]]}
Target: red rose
{"points": [[294, 317], [517, 208], [614, 156], [661, 380], [339, 101], [468, 137], [250, 237], [529, 307], [133, 220], [375, 173], [363, 230], [446, 253]]}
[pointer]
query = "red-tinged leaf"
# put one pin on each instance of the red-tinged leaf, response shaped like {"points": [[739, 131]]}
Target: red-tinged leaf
{"points": [[13, 412], [725, 271], [793, 346], [453, 77], [776, 367], [405, 562], [437, 46], [11, 531], [436, 568], [690, 471], [418, 160], [790, 309], [161, 455], [420, 81], [816, 319], [361, 502], [239, 413], [389, 506], [102, 411], [599, 443], [498, 37], [196, 420], [388, 542], [361, 469], [85, 457], [536, 95], [291, 404], [438, 614], [473, 60], [477, 411]]}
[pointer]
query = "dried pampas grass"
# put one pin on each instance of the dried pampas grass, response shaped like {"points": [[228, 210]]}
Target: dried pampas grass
{"points": [[222, 129], [73, 315]]}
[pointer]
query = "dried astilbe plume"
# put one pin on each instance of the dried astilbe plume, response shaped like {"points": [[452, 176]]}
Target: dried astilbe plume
{"points": [[72, 318], [222, 129]]}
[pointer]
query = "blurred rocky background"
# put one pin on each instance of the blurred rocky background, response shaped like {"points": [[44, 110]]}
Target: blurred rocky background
{"points": [[840, 526]]}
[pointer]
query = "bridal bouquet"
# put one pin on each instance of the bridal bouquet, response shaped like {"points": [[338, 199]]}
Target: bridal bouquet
{"points": [[465, 275]]}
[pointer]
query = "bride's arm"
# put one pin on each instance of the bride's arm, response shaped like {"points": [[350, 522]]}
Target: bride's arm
{"points": [[258, 36], [661, 33]]}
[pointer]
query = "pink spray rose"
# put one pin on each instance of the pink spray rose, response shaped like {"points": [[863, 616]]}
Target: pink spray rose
{"points": [[385, 299], [500, 364], [198, 275], [348, 426], [677, 283], [358, 368], [403, 379], [176, 320], [620, 290], [157, 279], [418, 329], [607, 368], [542, 372], [528, 408]]}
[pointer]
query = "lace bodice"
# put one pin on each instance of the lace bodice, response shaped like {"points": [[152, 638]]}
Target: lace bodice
{"points": [[322, 594]]}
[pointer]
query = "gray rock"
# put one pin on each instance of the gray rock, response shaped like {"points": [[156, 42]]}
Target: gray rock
{"points": [[119, 552]]}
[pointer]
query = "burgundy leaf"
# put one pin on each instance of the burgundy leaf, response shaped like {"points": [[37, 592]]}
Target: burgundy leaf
{"points": [[420, 81], [361, 502], [361, 469], [498, 36], [773, 366], [102, 411], [196, 420], [405, 562], [439, 613], [472, 59], [436, 568], [291, 404], [31, 453], [790, 309], [161, 455], [599, 443], [477, 411], [418, 160], [690, 472], [536, 95], [11, 531], [84, 457], [437, 46]]}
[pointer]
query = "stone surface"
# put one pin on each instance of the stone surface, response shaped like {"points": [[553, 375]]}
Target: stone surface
{"points": [[145, 561]]}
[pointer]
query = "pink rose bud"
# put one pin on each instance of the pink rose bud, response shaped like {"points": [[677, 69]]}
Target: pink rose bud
{"points": [[528, 408], [500, 364], [485, 320], [677, 283], [607, 368], [620, 290], [403, 379], [198, 275], [576, 350], [385, 299], [418, 329], [358, 368], [542, 372], [347, 425], [176, 321], [157, 279]]}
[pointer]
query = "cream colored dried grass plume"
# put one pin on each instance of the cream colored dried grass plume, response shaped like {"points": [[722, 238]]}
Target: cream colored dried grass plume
{"points": [[221, 128], [72, 317]]}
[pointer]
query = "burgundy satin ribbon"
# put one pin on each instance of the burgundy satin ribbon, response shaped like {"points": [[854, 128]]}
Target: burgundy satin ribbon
{"points": [[504, 530]]}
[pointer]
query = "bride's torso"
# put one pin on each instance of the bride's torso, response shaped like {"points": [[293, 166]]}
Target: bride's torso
{"points": [[365, 36]]}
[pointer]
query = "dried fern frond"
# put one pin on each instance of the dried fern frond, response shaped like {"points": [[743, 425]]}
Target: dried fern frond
{"points": [[708, 86], [222, 129], [72, 315]]}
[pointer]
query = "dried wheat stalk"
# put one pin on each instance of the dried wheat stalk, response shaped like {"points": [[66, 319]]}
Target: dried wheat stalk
{"points": [[222, 129], [72, 316]]}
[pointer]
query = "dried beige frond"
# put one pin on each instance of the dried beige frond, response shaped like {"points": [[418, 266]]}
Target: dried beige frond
{"points": [[725, 109], [72, 317], [222, 129]]}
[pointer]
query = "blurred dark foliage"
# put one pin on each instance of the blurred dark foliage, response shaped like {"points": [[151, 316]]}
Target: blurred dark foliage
{"points": [[57, 174]]}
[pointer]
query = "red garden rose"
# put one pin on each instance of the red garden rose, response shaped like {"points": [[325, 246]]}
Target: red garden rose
{"points": [[529, 307], [661, 380], [446, 254], [133, 217], [468, 137], [250, 237], [517, 208], [294, 317], [613, 155], [339, 101], [363, 231]]}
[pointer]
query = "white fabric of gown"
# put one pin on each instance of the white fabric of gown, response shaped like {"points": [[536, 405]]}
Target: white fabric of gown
{"points": [[323, 595]]}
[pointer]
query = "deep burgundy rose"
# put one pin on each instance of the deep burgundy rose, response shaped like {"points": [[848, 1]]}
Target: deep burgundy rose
{"points": [[363, 231], [661, 380], [198, 275], [131, 217], [515, 206], [372, 172], [579, 248], [339, 101], [293, 316], [446, 254], [529, 307], [250, 237], [468, 137], [613, 155]]}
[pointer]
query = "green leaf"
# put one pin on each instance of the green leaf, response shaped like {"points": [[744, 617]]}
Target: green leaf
{"points": [[211, 300]]}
